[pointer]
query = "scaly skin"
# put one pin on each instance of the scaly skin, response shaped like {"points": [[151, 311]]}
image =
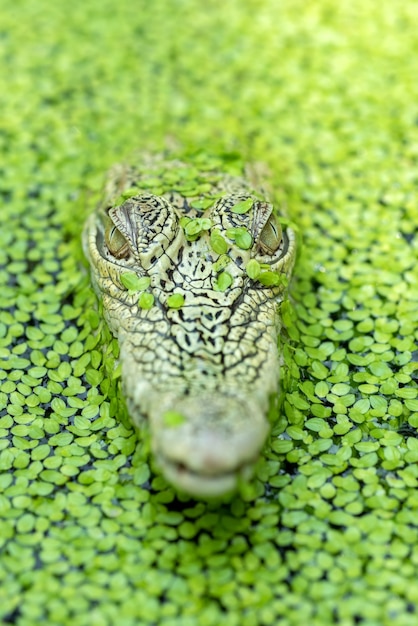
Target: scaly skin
{"points": [[202, 367]]}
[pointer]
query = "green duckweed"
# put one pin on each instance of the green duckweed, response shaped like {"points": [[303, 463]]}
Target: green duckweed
{"points": [[324, 95]]}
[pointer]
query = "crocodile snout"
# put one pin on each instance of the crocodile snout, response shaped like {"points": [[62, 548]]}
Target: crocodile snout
{"points": [[208, 443]]}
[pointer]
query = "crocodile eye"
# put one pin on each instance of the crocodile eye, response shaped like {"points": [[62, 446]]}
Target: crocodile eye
{"points": [[115, 241], [270, 237]]}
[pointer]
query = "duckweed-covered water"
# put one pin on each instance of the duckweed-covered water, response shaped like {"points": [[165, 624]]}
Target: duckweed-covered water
{"points": [[326, 95]]}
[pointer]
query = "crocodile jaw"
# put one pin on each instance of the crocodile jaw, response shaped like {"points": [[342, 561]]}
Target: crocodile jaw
{"points": [[200, 485], [215, 446], [215, 442]]}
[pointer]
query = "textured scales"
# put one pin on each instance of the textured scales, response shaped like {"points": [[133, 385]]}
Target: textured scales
{"points": [[191, 266]]}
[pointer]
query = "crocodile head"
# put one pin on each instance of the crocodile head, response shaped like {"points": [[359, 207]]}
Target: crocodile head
{"points": [[191, 265]]}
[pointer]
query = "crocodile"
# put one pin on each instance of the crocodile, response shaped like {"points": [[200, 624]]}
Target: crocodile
{"points": [[192, 264]]}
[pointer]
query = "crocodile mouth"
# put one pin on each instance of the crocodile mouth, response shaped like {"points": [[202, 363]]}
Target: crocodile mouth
{"points": [[204, 484], [215, 447]]}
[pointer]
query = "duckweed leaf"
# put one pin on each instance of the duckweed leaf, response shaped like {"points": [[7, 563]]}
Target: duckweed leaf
{"points": [[217, 242], [146, 300], [133, 282], [175, 300], [243, 207], [224, 281]]}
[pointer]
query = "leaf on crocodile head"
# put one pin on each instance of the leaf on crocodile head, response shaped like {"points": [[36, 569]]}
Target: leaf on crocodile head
{"points": [[175, 300]]}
